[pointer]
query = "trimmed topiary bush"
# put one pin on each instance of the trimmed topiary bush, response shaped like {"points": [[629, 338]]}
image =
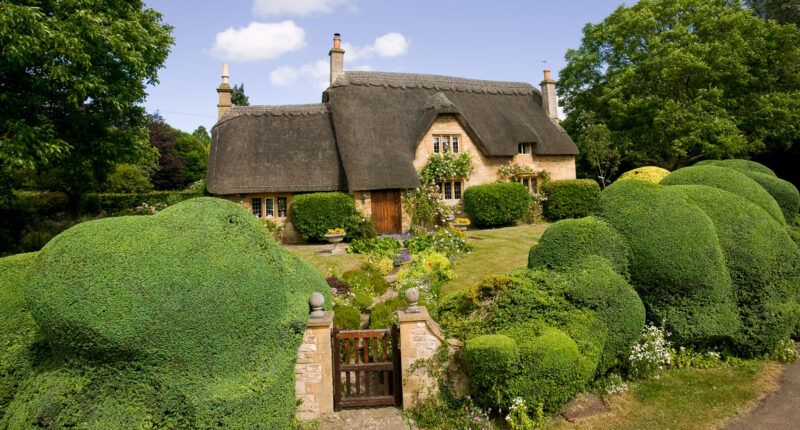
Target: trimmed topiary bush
{"points": [[190, 318], [650, 174], [95, 203], [313, 214], [784, 193], [677, 265], [498, 204], [762, 260], [570, 241], [740, 165], [487, 358], [728, 180], [569, 198]]}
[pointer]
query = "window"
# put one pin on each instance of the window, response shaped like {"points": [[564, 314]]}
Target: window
{"points": [[530, 182], [269, 207], [450, 190], [524, 148], [443, 143], [255, 207], [281, 207]]}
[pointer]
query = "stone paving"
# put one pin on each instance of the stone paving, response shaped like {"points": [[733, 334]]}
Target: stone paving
{"points": [[779, 411], [372, 418]]}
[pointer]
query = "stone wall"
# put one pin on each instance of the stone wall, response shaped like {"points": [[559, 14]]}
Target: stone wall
{"points": [[314, 370]]}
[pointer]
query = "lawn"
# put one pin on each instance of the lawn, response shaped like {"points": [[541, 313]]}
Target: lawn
{"points": [[686, 398], [339, 262], [496, 250]]}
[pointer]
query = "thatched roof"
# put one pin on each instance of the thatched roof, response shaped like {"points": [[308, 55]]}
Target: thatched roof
{"points": [[378, 119], [274, 149]]}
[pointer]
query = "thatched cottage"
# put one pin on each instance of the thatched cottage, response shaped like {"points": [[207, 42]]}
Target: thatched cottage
{"points": [[371, 134]]}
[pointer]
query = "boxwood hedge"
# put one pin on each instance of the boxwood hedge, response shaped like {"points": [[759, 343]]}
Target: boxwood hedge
{"points": [[497, 204], [762, 260], [313, 214], [652, 174], [570, 241], [784, 193], [677, 265], [728, 180], [569, 198], [740, 165], [190, 318]]}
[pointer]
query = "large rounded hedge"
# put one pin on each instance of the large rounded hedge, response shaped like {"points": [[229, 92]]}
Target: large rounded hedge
{"points": [[728, 180], [677, 265], [784, 193], [652, 174], [763, 263], [314, 214], [497, 204], [740, 165], [569, 198], [192, 318], [570, 241]]}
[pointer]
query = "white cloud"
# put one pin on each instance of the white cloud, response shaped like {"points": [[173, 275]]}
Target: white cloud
{"points": [[317, 73], [258, 41], [388, 45], [263, 8]]}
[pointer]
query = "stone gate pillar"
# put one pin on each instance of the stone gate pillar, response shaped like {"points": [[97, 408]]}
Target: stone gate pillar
{"points": [[314, 369]]}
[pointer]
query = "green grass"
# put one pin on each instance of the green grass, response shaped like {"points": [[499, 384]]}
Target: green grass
{"points": [[340, 262], [496, 251], [686, 398]]}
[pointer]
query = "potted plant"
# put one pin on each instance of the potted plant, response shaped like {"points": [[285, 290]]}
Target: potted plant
{"points": [[335, 235], [461, 223]]}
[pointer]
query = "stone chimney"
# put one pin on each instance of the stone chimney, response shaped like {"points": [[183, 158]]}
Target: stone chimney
{"points": [[224, 91], [549, 101], [337, 58]]}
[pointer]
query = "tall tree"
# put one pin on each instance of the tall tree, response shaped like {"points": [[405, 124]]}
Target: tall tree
{"points": [[675, 81], [73, 80], [237, 96], [202, 134], [782, 11]]}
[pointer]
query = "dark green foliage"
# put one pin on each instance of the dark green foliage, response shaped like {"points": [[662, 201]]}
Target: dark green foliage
{"points": [[677, 265], [488, 357], [347, 318], [595, 285], [784, 193], [17, 328], [569, 198], [570, 241], [738, 164], [128, 178], [361, 228], [497, 204], [384, 314], [194, 154], [110, 203], [314, 214], [237, 96], [763, 263], [729, 180], [190, 318]]}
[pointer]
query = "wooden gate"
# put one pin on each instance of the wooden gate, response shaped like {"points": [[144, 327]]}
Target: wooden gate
{"points": [[387, 211], [366, 368]]}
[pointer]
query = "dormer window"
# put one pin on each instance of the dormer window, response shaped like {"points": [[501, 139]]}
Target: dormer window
{"points": [[442, 143], [524, 148]]}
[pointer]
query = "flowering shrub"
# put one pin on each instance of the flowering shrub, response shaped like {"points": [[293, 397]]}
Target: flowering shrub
{"points": [[684, 358], [428, 272], [447, 165], [382, 265], [513, 171], [518, 417], [475, 418], [650, 354], [425, 205], [614, 384], [340, 290], [535, 209], [401, 259], [785, 352], [449, 241]]}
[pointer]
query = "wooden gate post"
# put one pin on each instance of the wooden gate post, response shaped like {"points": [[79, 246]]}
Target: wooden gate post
{"points": [[313, 370]]}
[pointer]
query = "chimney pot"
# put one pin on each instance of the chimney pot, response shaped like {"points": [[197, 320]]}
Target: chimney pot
{"points": [[337, 58], [546, 74], [225, 73], [337, 41]]}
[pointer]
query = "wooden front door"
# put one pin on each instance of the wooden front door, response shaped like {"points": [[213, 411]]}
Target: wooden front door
{"points": [[387, 212]]}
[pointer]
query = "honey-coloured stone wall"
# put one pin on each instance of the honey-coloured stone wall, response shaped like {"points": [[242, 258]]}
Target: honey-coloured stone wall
{"points": [[314, 370]]}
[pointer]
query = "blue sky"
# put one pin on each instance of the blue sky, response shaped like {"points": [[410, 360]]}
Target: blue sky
{"points": [[279, 48]]}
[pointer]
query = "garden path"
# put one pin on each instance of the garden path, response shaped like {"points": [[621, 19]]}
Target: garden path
{"points": [[372, 418], [779, 410]]}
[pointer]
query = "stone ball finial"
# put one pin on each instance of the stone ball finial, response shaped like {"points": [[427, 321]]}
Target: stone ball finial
{"points": [[316, 301], [412, 297]]}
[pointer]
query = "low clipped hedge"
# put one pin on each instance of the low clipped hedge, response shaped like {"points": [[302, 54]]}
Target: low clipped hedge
{"points": [[347, 318], [498, 204], [569, 198], [651, 174], [570, 241], [784, 193], [190, 318], [677, 265], [314, 214], [740, 165], [762, 260], [729, 180], [94, 203]]}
